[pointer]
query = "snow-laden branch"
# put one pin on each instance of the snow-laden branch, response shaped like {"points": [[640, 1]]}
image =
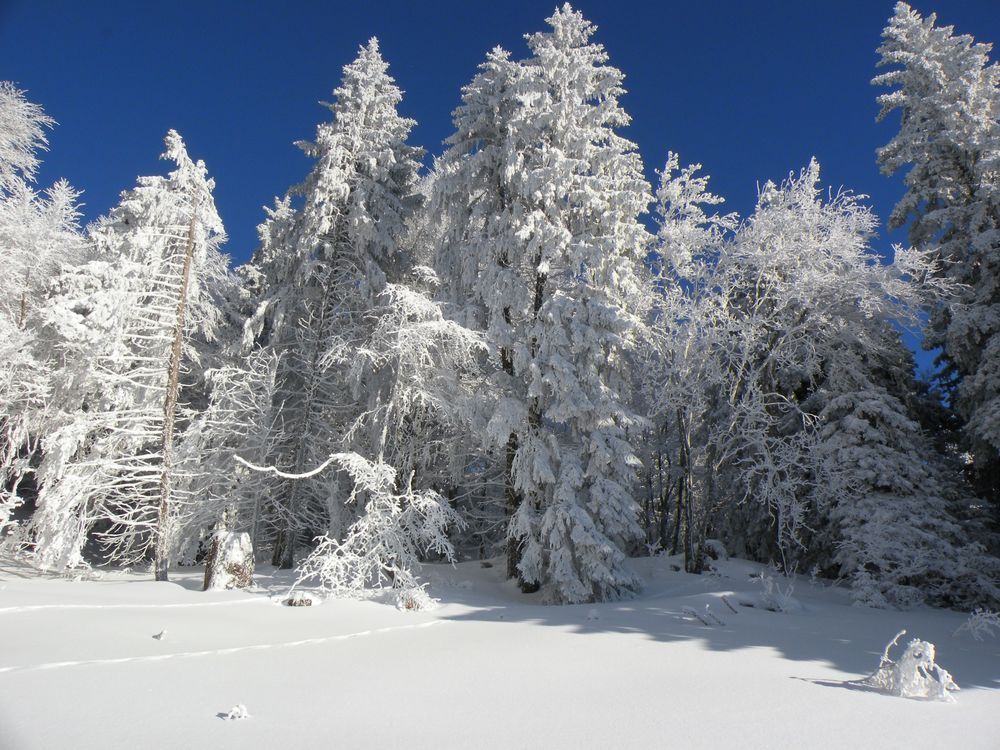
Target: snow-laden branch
{"points": [[290, 475]]}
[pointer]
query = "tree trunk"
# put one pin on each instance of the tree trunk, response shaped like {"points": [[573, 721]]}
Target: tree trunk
{"points": [[285, 542], [513, 503], [229, 563], [161, 559]]}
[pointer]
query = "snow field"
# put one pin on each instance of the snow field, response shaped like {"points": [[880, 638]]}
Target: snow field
{"points": [[488, 668]]}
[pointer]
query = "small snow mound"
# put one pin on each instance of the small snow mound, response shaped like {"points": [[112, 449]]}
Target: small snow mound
{"points": [[593, 615], [236, 713], [915, 675]]}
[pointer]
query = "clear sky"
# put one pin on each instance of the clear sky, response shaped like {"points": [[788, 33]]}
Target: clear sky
{"points": [[751, 89]]}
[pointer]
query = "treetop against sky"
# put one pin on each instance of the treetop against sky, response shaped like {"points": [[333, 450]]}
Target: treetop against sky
{"points": [[750, 90]]}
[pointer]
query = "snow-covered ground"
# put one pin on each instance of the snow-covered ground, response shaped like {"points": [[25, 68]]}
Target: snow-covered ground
{"points": [[81, 667]]}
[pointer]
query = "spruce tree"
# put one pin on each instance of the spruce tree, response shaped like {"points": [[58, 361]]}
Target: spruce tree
{"points": [[543, 199], [948, 95], [39, 235], [319, 273]]}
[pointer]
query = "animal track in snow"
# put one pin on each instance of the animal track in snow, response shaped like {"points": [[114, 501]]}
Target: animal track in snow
{"points": [[217, 651], [179, 605]]}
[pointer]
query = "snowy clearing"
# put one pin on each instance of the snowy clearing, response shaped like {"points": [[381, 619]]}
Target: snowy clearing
{"points": [[487, 668]]}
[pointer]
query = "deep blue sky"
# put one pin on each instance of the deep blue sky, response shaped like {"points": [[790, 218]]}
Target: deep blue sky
{"points": [[749, 89]]}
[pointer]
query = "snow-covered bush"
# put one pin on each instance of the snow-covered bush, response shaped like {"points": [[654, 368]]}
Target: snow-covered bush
{"points": [[383, 547], [415, 599], [236, 713], [778, 597], [982, 623]]}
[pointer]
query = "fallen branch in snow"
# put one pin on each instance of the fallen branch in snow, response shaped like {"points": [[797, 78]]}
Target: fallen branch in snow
{"points": [[708, 618], [725, 600], [710, 615]]}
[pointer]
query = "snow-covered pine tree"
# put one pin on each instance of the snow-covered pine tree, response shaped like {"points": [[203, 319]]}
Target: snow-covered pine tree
{"points": [[886, 511], [444, 440], [320, 271], [948, 94], [543, 199], [126, 325], [38, 234]]}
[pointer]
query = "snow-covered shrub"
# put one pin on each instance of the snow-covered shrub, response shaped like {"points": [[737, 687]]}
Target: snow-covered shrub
{"points": [[915, 675], [414, 599], [777, 597], [981, 623], [383, 547]]}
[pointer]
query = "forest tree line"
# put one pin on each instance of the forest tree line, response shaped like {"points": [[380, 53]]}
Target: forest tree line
{"points": [[526, 350]]}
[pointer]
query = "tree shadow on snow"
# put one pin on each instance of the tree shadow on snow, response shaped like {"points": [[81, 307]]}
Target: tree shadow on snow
{"points": [[678, 607]]}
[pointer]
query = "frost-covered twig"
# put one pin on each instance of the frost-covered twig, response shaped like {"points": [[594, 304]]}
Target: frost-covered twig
{"points": [[981, 623]]}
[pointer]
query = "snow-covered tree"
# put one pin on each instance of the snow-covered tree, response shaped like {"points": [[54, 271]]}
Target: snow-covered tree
{"points": [[38, 235], [242, 418], [818, 397], [126, 326], [890, 502], [542, 199], [22, 136], [321, 271], [948, 95], [679, 371]]}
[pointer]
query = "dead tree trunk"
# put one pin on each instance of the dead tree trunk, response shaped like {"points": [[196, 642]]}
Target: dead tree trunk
{"points": [[161, 560]]}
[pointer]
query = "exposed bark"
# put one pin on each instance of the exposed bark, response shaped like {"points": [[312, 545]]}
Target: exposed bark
{"points": [[162, 553]]}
